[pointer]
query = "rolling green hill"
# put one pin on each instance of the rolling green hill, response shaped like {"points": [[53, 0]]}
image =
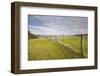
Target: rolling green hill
{"points": [[31, 36]]}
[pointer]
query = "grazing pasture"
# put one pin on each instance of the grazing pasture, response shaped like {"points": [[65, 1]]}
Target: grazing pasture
{"points": [[62, 48]]}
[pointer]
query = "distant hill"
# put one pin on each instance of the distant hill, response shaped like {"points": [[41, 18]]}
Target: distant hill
{"points": [[31, 36]]}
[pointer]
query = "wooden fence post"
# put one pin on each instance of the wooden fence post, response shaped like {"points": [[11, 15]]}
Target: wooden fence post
{"points": [[81, 45]]}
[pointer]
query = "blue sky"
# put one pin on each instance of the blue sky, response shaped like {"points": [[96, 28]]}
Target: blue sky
{"points": [[57, 25]]}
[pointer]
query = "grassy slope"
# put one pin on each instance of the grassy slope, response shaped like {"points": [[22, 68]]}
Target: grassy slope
{"points": [[85, 46], [74, 41], [43, 49]]}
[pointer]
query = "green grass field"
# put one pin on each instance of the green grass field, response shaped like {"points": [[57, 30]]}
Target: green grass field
{"points": [[46, 49], [74, 42]]}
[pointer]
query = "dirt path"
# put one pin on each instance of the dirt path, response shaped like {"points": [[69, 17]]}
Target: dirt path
{"points": [[68, 48]]}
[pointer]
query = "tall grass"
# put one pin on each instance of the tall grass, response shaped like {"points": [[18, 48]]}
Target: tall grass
{"points": [[74, 42], [46, 49]]}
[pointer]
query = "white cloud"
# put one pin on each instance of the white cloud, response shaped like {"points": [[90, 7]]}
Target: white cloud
{"points": [[41, 30], [58, 25]]}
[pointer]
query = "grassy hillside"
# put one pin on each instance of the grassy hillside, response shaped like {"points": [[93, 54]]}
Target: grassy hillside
{"points": [[74, 42], [44, 49], [31, 36]]}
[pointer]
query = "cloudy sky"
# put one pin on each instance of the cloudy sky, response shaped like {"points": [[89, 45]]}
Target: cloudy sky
{"points": [[57, 25]]}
